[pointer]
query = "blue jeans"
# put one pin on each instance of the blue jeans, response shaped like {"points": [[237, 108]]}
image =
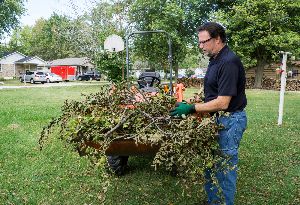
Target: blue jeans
{"points": [[229, 141]]}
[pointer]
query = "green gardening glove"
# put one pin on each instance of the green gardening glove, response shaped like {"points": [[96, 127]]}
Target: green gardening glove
{"points": [[183, 109]]}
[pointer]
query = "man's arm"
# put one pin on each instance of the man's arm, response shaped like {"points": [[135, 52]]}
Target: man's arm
{"points": [[220, 103]]}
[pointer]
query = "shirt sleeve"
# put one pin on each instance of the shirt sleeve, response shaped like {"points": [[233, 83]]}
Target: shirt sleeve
{"points": [[228, 79]]}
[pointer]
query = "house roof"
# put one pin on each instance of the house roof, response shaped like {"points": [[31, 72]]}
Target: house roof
{"points": [[24, 59], [6, 54], [30, 59], [72, 62]]}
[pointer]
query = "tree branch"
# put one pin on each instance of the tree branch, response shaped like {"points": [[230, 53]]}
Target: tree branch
{"points": [[118, 125]]}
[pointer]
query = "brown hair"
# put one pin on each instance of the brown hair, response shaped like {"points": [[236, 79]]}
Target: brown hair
{"points": [[214, 30]]}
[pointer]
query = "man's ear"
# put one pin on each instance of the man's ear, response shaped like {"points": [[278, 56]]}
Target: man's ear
{"points": [[219, 40]]}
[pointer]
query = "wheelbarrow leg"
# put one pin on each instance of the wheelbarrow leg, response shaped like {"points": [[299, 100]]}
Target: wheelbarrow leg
{"points": [[117, 164]]}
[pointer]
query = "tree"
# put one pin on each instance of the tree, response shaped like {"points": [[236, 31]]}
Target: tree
{"points": [[258, 30], [158, 15], [51, 38], [179, 18], [189, 73], [10, 11], [21, 40], [111, 64], [61, 36], [194, 59], [107, 19], [48, 39]]}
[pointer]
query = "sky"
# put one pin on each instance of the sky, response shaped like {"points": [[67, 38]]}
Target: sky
{"points": [[44, 8], [36, 9]]}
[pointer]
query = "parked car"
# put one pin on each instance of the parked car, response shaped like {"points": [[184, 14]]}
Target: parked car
{"points": [[53, 78], [168, 76], [33, 77], [181, 76], [90, 75], [198, 76]]}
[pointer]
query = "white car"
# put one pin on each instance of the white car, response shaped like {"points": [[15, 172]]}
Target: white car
{"points": [[53, 78], [198, 76]]}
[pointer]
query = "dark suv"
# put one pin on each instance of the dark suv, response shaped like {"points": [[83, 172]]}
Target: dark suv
{"points": [[90, 75]]}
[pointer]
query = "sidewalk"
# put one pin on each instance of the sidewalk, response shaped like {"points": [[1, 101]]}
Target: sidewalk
{"points": [[47, 85]]}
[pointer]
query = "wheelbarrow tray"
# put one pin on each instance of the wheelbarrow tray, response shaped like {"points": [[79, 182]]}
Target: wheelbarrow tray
{"points": [[127, 147]]}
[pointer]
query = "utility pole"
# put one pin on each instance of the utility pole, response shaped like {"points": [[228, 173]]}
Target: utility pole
{"points": [[283, 84]]}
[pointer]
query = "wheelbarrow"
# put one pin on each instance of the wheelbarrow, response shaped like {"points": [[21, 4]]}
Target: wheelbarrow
{"points": [[119, 150]]}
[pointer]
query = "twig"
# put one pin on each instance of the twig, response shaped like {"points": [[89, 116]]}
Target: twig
{"points": [[154, 120], [143, 95], [118, 125], [132, 96]]}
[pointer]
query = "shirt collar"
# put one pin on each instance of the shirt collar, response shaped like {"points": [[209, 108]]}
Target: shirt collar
{"points": [[215, 58]]}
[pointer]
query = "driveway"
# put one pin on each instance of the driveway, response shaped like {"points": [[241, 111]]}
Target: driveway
{"points": [[46, 85]]}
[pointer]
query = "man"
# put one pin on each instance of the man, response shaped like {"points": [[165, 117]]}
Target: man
{"points": [[224, 89]]}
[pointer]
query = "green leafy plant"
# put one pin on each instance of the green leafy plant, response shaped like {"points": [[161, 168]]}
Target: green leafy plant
{"points": [[122, 112], [112, 65]]}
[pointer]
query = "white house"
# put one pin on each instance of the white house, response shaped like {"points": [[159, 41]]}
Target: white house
{"points": [[14, 63]]}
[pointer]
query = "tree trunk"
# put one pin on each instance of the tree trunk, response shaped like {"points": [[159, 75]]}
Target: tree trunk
{"points": [[259, 73], [166, 69], [175, 71]]}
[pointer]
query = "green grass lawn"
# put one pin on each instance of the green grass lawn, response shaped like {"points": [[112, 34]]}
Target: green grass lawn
{"points": [[269, 170], [10, 82]]}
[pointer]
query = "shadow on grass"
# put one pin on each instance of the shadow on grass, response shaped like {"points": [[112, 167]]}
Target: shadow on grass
{"points": [[141, 184]]}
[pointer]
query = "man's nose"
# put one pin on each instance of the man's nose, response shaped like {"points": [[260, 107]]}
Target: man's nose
{"points": [[201, 45]]}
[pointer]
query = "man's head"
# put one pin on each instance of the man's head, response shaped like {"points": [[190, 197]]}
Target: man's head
{"points": [[212, 38]]}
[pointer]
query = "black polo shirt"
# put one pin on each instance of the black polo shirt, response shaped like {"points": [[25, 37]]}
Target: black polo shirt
{"points": [[225, 76]]}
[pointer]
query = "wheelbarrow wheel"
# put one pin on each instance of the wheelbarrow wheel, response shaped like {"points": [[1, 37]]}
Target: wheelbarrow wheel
{"points": [[117, 164]]}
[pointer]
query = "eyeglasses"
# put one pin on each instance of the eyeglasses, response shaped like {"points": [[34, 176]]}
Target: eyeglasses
{"points": [[203, 42]]}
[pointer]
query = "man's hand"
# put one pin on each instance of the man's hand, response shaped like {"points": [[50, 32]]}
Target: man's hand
{"points": [[182, 109], [178, 103]]}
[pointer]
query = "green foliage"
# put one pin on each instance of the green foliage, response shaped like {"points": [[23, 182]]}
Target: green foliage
{"points": [[47, 39], [191, 59], [10, 11], [189, 73], [186, 144], [3, 49], [258, 30], [112, 65], [21, 40], [107, 19], [194, 59], [158, 15], [171, 16], [269, 163], [54, 37], [180, 19], [61, 36]]}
